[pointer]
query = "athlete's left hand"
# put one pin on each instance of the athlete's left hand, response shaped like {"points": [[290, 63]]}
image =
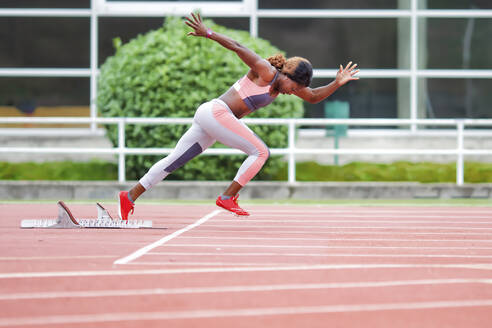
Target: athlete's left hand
{"points": [[197, 25], [346, 74]]}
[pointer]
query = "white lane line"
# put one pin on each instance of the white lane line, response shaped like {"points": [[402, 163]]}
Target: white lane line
{"points": [[18, 275], [216, 264], [245, 312], [238, 225], [44, 258], [395, 221], [322, 246], [372, 210], [165, 239], [370, 216], [365, 255], [239, 229], [238, 289], [339, 239], [185, 264], [224, 251]]}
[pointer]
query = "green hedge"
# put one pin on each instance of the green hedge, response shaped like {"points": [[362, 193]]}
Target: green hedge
{"points": [[306, 171], [424, 172], [94, 170], [166, 73]]}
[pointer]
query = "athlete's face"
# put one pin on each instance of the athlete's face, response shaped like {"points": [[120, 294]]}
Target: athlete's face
{"points": [[287, 86]]}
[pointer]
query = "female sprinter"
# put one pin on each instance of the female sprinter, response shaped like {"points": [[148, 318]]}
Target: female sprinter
{"points": [[218, 119]]}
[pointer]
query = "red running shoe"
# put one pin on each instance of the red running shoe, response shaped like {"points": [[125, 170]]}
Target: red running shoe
{"points": [[231, 205], [125, 206]]}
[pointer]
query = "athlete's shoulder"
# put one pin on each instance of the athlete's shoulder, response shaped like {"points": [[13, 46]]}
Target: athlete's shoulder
{"points": [[264, 77]]}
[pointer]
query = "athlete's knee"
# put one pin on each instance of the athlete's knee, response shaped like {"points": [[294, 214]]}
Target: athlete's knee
{"points": [[263, 153]]}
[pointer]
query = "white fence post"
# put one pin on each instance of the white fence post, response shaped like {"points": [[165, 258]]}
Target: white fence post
{"points": [[292, 146], [121, 151], [94, 62], [460, 175]]}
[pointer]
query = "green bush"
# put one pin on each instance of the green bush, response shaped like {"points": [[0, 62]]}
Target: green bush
{"points": [[166, 73]]}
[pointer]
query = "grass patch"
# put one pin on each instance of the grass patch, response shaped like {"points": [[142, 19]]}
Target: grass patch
{"points": [[93, 170], [424, 172]]}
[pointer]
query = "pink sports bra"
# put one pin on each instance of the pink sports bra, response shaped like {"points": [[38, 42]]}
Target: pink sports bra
{"points": [[253, 95]]}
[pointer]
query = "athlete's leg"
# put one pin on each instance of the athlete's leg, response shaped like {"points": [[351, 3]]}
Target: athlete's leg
{"points": [[191, 144], [136, 191], [223, 126], [233, 189]]}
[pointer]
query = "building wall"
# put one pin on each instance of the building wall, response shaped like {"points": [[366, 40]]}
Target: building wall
{"points": [[374, 43]]}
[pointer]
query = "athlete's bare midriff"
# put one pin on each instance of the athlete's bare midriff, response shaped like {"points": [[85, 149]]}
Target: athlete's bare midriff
{"points": [[236, 104], [232, 98]]}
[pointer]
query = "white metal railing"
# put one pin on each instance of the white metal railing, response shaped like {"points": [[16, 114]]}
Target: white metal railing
{"points": [[291, 151], [317, 73]]}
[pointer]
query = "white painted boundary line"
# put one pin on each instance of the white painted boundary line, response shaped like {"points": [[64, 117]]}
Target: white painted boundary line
{"points": [[17, 275], [363, 211], [327, 220], [239, 289], [245, 312], [165, 239], [227, 264], [204, 264], [384, 207], [232, 246], [315, 227], [341, 239], [310, 232], [368, 217], [344, 255], [47, 258]]}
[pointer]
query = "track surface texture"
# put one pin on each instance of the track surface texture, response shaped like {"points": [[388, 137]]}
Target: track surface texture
{"points": [[284, 266]]}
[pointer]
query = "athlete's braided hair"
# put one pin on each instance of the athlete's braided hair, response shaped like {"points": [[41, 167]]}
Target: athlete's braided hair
{"points": [[297, 69]]}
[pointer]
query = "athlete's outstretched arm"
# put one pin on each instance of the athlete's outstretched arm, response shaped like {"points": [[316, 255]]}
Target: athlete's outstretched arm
{"points": [[259, 65], [316, 95]]}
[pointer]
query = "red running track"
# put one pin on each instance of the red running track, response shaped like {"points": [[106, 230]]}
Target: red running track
{"points": [[285, 266]]}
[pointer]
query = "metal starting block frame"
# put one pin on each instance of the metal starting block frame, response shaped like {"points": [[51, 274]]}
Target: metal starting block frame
{"points": [[66, 220]]}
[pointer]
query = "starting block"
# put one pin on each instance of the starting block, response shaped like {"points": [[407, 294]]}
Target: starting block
{"points": [[66, 220]]}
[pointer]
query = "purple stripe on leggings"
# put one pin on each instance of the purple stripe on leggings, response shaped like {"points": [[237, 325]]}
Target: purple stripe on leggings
{"points": [[187, 155]]}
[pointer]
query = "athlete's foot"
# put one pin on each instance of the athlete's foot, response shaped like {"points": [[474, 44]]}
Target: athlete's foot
{"points": [[125, 206], [231, 205]]}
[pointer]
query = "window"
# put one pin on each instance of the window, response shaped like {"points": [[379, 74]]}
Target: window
{"points": [[455, 4], [40, 42], [423, 58], [45, 4], [341, 40], [332, 4], [43, 91], [368, 98], [465, 41], [454, 98]]}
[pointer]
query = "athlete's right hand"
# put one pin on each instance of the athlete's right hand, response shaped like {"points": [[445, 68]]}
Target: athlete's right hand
{"points": [[197, 25], [346, 74]]}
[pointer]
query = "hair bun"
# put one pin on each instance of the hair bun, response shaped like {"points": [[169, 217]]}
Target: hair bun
{"points": [[277, 61]]}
